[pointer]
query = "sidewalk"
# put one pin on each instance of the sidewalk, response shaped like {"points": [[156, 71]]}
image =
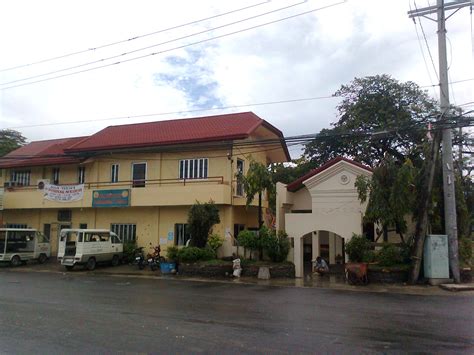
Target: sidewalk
{"points": [[333, 282]]}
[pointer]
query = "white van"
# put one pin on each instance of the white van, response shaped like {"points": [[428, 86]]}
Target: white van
{"points": [[18, 245], [89, 247]]}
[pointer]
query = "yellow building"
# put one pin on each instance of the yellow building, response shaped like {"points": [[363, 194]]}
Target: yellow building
{"points": [[139, 180]]}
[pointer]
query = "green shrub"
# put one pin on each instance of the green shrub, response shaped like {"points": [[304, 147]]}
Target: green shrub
{"points": [[201, 218], [276, 245], [249, 240], [193, 254], [465, 251], [172, 253], [129, 252], [357, 248], [405, 252], [215, 241], [370, 257], [389, 255]]}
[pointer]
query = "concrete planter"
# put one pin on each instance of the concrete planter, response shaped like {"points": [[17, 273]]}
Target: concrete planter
{"points": [[276, 271], [387, 276], [205, 270]]}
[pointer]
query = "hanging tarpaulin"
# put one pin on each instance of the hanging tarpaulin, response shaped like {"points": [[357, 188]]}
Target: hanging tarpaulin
{"points": [[63, 193]]}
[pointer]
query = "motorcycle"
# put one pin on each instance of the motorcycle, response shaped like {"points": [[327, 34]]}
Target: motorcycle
{"points": [[155, 259], [140, 258]]}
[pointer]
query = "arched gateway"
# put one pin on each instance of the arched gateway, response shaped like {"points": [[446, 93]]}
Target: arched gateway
{"points": [[321, 210]]}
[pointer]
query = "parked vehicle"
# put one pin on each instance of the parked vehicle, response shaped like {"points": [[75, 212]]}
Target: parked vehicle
{"points": [[88, 247], [18, 245], [140, 258]]}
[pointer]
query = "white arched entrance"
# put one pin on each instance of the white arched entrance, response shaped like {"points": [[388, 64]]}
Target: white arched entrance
{"points": [[322, 204]]}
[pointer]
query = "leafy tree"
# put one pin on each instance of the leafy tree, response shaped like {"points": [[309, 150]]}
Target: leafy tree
{"points": [[374, 104], [201, 218], [10, 140], [257, 180], [390, 193]]}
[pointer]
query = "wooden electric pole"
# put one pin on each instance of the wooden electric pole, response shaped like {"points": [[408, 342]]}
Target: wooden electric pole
{"points": [[447, 139]]}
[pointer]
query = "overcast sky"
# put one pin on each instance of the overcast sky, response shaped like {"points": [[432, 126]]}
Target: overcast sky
{"points": [[307, 56]]}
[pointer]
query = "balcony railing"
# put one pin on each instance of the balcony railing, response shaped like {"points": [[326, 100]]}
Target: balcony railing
{"points": [[133, 183]]}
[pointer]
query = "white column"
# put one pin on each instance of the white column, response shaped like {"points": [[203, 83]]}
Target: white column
{"points": [[298, 256], [332, 248], [315, 241]]}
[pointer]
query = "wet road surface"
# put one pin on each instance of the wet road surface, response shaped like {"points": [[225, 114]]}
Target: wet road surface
{"points": [[77, 313]]}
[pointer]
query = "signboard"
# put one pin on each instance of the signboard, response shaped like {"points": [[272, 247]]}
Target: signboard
{"points": [[63, 193], [111, 198]]}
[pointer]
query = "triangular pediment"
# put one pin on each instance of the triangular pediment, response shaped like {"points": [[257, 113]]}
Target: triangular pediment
{"points": [[340, 176]]}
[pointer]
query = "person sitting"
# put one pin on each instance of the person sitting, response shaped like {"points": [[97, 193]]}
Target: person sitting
{"points": [[320, 266]]}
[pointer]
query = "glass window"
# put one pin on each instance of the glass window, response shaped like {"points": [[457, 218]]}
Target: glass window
{"points": [[20, 177], [55, 176], [181, 234], [240, 170], [114, 173], [193, 168], [81, 174], [127, 232], [138, 174]]}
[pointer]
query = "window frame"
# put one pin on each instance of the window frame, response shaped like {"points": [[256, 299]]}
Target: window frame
{"points": [[55, 176], [193, 169], [146, 174], [114, 172], [21, 177], [186, 234], [120, 228], [81, 174]]}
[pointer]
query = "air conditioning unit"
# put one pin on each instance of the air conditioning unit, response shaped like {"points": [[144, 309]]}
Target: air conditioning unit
{"points": [[8, 184], [40, 183]]}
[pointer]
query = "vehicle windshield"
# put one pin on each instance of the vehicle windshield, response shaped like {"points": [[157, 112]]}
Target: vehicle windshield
{"points": [[41, 238]]}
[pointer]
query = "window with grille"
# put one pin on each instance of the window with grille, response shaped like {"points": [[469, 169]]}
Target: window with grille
{"points": [[181, 234], [81, 174], [193, 168], [65, 216], [114, 171], [16, 225], [127, 232], [21, 177]]}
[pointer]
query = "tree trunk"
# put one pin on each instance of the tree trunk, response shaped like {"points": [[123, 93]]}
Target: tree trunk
{"points": [[260, 223], [422, 222]]}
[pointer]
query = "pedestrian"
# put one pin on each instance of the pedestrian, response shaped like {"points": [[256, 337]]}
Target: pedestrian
{"points": [[320, 266]]}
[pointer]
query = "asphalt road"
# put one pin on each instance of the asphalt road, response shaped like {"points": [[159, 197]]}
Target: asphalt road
{"points": [[78, 313]]}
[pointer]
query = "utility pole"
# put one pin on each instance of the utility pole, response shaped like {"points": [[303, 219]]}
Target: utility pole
{"points": [[447, 139]]}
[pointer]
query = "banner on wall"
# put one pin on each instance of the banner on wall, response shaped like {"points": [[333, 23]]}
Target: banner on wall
{"points": [[63, 193]]}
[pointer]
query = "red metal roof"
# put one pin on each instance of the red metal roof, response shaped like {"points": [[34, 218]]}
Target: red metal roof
{"points": [[49, 152], [140, 135], [298, 183], [180, 131]]}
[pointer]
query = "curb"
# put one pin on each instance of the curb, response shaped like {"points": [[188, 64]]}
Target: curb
{"points": [[456, 287]]}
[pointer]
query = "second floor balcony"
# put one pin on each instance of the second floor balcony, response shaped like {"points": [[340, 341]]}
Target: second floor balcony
{"points": [[163, 192]]}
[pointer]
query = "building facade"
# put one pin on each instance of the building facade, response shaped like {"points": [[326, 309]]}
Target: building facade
{"points": [[140, 180]]}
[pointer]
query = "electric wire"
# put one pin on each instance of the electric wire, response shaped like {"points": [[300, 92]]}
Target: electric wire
{"points": [[132, 38], [177, 47], [149, 47], [176, 112]]}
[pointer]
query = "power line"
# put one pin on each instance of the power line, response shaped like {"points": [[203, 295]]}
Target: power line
{"points": [[178, 47], [452, 82], [132, 38], [423, 53], [177, 112], [453, 122], [151, 46]]}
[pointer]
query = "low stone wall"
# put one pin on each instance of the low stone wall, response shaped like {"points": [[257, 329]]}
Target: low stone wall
{"points": [[387, 276], [286, 270], [205, 270]]}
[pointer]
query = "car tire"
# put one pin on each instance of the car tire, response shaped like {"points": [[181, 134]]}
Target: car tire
{"points": [[42, 258], [91, 264], [15, 261], [115, 260]]}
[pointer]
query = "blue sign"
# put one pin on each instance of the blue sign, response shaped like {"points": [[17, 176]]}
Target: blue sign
{"points": [[111, 198]]}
